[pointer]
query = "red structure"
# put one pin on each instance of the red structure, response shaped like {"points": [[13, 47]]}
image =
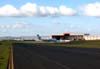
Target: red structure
{"points": [[65, 36], [68, 36]]}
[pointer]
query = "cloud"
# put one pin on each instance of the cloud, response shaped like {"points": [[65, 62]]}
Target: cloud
{"points": [[29, 9], [46, 10], [66, 11], [17, 25], [43, 11], [20, 25], [32, 9], [92, 9], [52, 10], [9, 10]]}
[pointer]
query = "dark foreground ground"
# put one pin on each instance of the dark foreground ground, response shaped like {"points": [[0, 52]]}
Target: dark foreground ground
{"points": [[36, 56]]}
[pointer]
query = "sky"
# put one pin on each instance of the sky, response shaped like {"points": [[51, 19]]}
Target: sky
{"points": [[48, 17]]}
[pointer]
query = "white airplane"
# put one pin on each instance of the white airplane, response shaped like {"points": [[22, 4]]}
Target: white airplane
{"points": [[51, 40], [46, 40]]}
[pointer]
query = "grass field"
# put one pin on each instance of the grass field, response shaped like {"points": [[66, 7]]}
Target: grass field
{"points": [[80, 44], [84, 44], [4, 54]]}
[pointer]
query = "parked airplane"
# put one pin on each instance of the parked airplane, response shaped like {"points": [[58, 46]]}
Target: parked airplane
{"points": [[51, 40], [46, 40]]}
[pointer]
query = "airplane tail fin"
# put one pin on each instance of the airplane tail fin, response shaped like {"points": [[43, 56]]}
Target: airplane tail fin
{"points": [[38, 36]]}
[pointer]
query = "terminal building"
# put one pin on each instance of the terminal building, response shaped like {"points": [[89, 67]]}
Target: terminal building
{"points": [[75, 37]]}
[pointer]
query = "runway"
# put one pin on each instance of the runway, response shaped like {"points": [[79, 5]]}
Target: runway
{"points": [[37, 56]]}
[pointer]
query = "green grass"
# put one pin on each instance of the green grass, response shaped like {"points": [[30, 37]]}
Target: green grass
{"points": [[4, 54], [80, 44], [85, 44]]}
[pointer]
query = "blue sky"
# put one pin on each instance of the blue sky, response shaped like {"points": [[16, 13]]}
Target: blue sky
{"points": [[25, 18]]}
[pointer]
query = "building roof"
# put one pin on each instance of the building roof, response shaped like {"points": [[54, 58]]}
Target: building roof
{"points": [[58, 35]]}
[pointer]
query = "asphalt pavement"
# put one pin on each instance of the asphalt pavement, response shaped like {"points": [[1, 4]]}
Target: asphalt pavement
{"points": [[37, 56]]}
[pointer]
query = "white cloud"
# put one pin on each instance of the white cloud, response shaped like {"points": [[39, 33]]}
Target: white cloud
{"points": [[66, 11], [9, 10], [92, 9], [43, 11], [20, 25], [62, 10], [46, 10], [52, 10], [32, 9], [15, 26], [29, 9]]}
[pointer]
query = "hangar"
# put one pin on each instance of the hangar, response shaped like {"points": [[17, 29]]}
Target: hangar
{"points": [[68, 36]]}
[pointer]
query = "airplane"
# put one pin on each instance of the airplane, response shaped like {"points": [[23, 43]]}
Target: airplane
{"points": [[51, 40], [46, 40]]}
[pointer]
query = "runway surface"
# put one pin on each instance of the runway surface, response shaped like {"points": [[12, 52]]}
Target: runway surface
{"points": [[36, 56]]}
